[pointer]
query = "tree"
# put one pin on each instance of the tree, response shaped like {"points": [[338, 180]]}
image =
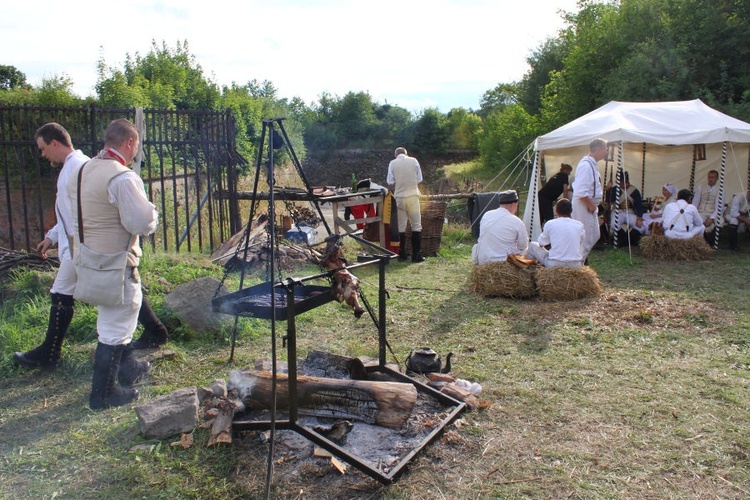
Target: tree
{"points": [[163, 78], [12, 78]]}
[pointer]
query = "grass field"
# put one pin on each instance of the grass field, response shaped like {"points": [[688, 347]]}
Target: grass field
{"points": [[639, 393]]}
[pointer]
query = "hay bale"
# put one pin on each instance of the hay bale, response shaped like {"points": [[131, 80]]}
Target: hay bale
{"points": [[658, 247], [567, 283], [502, 279]]}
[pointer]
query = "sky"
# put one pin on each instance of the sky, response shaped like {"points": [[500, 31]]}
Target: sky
{"points": [[415, 54]]}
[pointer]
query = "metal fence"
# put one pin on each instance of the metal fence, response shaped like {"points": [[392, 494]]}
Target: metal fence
{"points": [[189, 157]]}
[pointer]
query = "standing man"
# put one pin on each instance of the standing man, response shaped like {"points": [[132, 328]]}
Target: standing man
{"points": [[115, 211], [587, 193], [404, 176], [706, 199], [565, 237], [501, 232], [56, 146], [556, 185]]}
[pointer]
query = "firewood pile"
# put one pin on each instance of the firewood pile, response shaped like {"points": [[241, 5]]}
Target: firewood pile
{"points": [[11, 259], [232, 251]]}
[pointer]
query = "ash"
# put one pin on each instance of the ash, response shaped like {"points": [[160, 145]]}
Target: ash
{"points": [[380, 447]]}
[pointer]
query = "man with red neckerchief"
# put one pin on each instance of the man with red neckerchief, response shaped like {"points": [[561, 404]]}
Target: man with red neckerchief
{"points": [[115, 211]]}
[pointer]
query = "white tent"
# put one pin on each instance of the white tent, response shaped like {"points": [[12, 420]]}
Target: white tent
{"points": [[655, 142]]}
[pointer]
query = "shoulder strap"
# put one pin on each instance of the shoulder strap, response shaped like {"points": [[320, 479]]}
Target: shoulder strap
{"points": [[80, 212]]}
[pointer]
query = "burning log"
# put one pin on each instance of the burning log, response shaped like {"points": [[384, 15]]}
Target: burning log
{"points": [[387, 404], [346, 285]]}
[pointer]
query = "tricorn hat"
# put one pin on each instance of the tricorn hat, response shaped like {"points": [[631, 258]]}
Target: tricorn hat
{"points": [[507, 197]]}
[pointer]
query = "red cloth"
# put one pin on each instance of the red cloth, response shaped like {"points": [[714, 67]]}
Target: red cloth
{"points": [[362, 212]]}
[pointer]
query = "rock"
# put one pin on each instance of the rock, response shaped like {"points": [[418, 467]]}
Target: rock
{"points": [[191, 303], [219, 388], [169, 415]]}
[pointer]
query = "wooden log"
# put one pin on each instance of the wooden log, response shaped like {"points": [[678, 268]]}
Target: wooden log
{"points": [[387, 404], [221, 428]]}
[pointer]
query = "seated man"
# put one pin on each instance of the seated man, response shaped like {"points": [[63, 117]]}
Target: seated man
{"points": [[630, 202], [564, 235], [501, 233], [681, 220], [669, 194], [738, 218]]}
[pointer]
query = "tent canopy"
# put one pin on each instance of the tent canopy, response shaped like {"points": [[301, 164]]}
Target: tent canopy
{"points": [[658, 140]]}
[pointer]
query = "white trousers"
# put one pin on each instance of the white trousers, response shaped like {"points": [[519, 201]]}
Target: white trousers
{"points": [[408, 207], [590, 225], [628, 219], [541, 254], [116, 324], [65, 279]]}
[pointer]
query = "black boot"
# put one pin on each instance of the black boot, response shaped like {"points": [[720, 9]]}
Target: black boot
{"points": [[154, 332], [402, 247], [733, 238], [416, 246], [104, 392], [131, 370], [48, 354]]}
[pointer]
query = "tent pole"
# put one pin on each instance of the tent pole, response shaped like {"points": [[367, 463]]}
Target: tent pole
{"points": [[720, 196], [643, 170], [691, 186]]}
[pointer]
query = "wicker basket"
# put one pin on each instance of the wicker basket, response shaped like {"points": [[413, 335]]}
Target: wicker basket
{"points": [[433, 217]]}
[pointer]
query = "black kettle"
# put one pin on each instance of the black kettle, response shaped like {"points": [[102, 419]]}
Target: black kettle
{"points": [[425, 360]]}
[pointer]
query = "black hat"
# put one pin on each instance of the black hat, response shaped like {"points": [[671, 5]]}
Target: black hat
{"points": [[507, 197]]}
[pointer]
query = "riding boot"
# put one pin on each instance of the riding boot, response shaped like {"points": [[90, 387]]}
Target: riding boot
{"points": [[154, 332], [416, 246], [733, 238], [104, 392], [48, 354], [131, 370], [402, 247]]}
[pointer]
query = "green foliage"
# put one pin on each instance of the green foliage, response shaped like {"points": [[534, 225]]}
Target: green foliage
{"points": [[164, 78], [12, 78], [431, 133], [505, 133], [642, 50]]}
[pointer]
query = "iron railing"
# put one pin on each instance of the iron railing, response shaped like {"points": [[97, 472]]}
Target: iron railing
{"points": [[189, 157]]}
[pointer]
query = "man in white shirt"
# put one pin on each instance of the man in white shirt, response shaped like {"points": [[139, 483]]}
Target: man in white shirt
{"points": [[501, 232], [404, 176], [681, 219], [565, 237], [738, 218], [587, 193], [115, 211], [706, 200]]}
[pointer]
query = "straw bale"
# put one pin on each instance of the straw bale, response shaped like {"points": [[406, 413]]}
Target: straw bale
{"points": [[662, 248], [567, 283], [502, 279]]}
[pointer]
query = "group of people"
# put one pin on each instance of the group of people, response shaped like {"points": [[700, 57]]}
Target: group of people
{"points": [[567, 239], [107, 198]]}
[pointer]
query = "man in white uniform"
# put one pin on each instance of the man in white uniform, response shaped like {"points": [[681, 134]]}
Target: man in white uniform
{"points": [[681, 219], [404, 176], [706, 200], [501, 232], [115, 211], [587, 193], [565, 237], [738, 218]]}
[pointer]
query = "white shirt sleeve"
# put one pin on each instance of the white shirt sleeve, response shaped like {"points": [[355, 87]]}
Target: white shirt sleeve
{"points": [[137, 215]]}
